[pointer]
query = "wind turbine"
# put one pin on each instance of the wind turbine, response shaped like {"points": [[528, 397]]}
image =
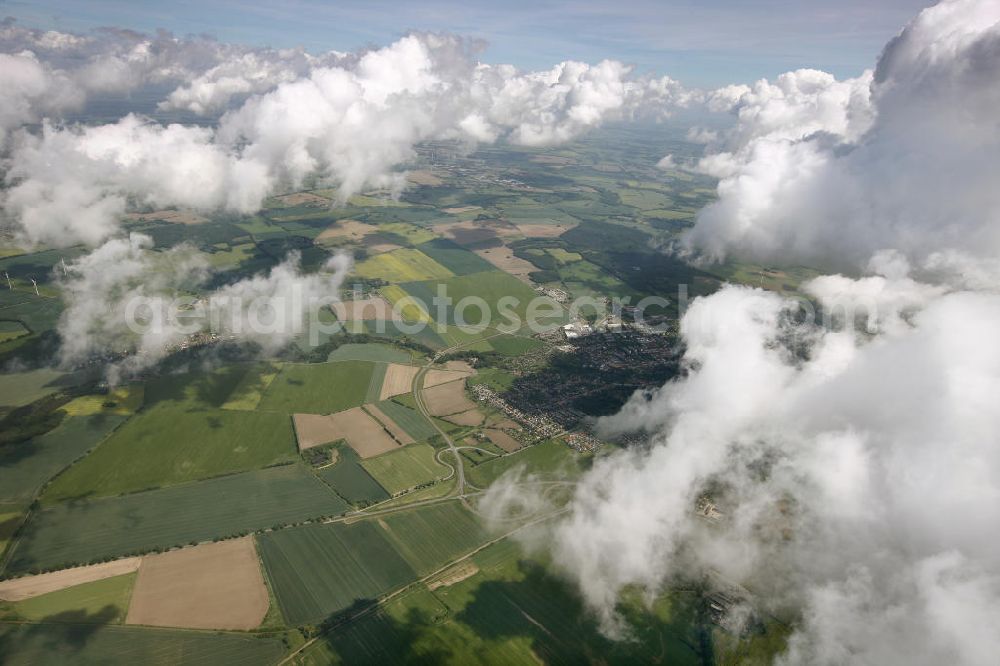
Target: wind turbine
{"points": [[35, 285], [9, 285]]}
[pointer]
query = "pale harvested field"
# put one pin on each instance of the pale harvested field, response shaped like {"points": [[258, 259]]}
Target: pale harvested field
{"points": [[398, 380], [458, 210], [504, 259], [503, 423], [364, 309], [473, 417], [211, 586], [456, 574], [423, 177], [438, 377], [303, 199], [447, 399], [32, 586], [503, 440], [544, 230], [401, 435], [363, 433], [379, 248], [313, 430], [173, 216], [460, 366], [350, 229]]}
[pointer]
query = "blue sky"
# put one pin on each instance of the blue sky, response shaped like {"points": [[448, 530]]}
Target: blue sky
{"points": [[701, 43]]}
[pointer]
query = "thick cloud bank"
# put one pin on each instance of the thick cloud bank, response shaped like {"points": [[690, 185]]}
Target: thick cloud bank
{"points": [[907, 158], [351, 118], [136, 305], [854, 456]]}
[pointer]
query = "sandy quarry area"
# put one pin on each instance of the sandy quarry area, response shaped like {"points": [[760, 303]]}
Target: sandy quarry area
{"points": [[401, 435], [504, 259], [398, 380], [211, 586], [31, 586], [447, 399]]}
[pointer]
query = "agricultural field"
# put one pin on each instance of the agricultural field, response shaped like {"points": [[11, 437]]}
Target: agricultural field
{"points": [[164, 446], [404, 265], [103, 601], [320, 388], [410, 420], [446, 399], [83, 531], [491, 287], [454, 258], [62, 643], [22, 388], [429, 537], [319, 570], [211, 586], [370, 351], [397, 431], [246, 395], [355, 426], [410, 466], [549, 459], [25, 467], [350, 480]]}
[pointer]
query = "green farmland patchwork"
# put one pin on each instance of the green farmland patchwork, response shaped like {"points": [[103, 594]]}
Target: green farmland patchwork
{"points": [[320, 388], [105, 600], [166, 445], [25, 467], [410, 420], [455, 258], [54, 644], [429, 537], [350, 479], [88, 530], [405, 468], [318, 570]]}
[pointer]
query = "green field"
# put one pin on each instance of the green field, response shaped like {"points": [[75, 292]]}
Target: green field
{"points": [[431, 536], [101, 601], [406, 468], [488, 286], [455, 258], [551, 458], [56, 644], [320, 388], [511, 612], [375, 383], [371, 351], [25, 467], [318, 570], [170, 444], [350, 479], [89, 530], [514, 345], [410, 420], [22, 388], [246, 395], [11, 330], [403, 265]]}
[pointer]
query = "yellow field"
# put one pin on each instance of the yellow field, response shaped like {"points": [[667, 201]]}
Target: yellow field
{"points": [[123, 400], [408, 311], [405, 265], [247, 394]]}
